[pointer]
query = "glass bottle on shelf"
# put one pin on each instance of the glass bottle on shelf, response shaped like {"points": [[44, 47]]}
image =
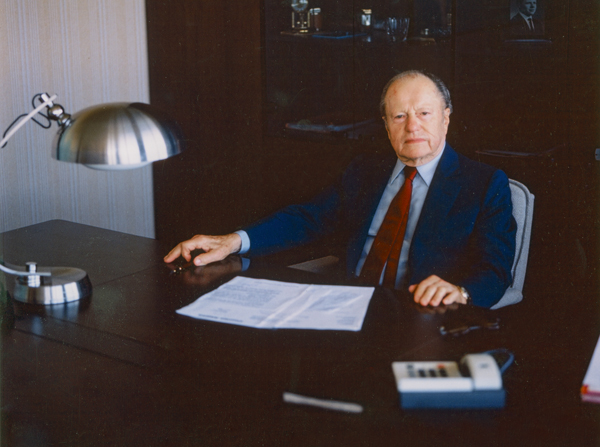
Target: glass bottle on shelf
{"points": [[300, 16]]}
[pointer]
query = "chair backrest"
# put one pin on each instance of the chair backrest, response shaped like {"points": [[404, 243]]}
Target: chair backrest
{"points": [[522, 201]]}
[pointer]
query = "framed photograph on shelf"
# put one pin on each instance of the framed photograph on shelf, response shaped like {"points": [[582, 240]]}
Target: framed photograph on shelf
{"points": [[526, 20]]}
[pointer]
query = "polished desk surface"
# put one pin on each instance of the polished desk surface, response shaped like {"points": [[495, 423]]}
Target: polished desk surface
{"points": [[122, 368]]}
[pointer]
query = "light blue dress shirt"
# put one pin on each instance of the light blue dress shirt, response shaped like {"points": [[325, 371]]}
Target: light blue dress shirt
{"points": [[421, 184], [245, 242]]}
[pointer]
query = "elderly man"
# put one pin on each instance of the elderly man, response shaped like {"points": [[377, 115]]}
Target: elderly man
{"points": [[427, 219]]}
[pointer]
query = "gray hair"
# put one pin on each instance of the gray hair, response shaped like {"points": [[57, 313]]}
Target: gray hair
{"points": [[439, 85]]}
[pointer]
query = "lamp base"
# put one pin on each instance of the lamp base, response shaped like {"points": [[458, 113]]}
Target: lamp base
{"points": [[64, 285]]}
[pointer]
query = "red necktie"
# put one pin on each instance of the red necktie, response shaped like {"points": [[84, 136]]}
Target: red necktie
{"points": [[388, 242]]}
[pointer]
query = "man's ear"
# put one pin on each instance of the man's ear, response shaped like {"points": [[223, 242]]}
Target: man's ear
{"points": [[447, 116], [387, 129]]}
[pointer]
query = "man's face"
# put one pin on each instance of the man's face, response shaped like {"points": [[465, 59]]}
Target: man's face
{"points": [[528, 7], [416, 119]]}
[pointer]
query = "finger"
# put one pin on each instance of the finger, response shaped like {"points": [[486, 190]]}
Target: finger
{"points": [[430, 280], [217, 248], [173, 254], [455, 297], [439, 295], [211, 255], [180, 250], [421, 290], [418, 292], [185, 248], [426, 294]]}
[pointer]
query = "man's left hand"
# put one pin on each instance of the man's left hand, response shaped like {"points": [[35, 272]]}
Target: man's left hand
{"points": [[434, 291]]}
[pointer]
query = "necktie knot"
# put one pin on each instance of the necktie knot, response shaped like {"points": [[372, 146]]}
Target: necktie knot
{"points": [[410, 173], [530, 23]]}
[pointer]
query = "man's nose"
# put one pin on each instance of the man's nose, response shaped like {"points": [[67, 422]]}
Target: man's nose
{"points": [[412, 123]]}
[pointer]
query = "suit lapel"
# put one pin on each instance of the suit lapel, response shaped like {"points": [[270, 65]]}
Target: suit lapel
{"points": [[364, 201], [443, 191]]}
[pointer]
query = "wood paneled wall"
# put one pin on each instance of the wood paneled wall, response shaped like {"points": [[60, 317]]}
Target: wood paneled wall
{"points": [[206, 68]]}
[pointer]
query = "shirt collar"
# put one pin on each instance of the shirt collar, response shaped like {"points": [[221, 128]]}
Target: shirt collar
{"points": [[425, 171], [526, 17]]}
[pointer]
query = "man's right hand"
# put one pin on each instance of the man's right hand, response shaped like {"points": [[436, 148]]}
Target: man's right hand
{"points": [[216, 248]]}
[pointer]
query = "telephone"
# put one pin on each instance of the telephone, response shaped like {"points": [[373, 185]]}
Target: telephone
{"points": [[475, 383]]}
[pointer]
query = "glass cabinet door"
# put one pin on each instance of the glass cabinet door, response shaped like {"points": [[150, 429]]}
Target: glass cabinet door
{"points": [[327, 60]]}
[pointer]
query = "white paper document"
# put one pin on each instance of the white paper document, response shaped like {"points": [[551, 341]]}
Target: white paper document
{"points": [[267, 304]]}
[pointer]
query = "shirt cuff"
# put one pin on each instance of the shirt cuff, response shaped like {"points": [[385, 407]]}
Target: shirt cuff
{"points": [[245, 242], [245, 264]]}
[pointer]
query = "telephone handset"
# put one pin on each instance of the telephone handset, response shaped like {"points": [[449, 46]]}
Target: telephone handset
{"points": [[484, 371], [476, 372]]}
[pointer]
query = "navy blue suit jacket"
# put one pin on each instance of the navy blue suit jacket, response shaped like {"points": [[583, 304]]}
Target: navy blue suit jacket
{"points": [[465, 234]]}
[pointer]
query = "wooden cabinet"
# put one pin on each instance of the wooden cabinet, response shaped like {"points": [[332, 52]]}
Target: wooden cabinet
{"points": [[331, 78]]}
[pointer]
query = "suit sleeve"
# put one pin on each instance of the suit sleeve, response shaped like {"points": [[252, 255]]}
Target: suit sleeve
{"points": [[491, 246], [343, 210], [296, 224]]}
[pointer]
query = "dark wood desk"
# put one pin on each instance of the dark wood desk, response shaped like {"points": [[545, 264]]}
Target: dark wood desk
{"points": [[123, 369]]}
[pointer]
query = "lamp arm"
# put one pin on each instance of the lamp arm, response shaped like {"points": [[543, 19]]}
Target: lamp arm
{"points": [[11, 132], [31, 270]]}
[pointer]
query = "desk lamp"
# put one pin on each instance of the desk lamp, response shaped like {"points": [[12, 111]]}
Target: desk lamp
{"points": [[109, 137]]}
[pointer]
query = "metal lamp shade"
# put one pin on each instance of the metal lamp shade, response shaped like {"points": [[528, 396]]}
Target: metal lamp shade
{"points": [[117, 136]]}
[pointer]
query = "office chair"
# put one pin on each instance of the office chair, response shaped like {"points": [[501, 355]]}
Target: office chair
{"points": [[522, 201]]}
